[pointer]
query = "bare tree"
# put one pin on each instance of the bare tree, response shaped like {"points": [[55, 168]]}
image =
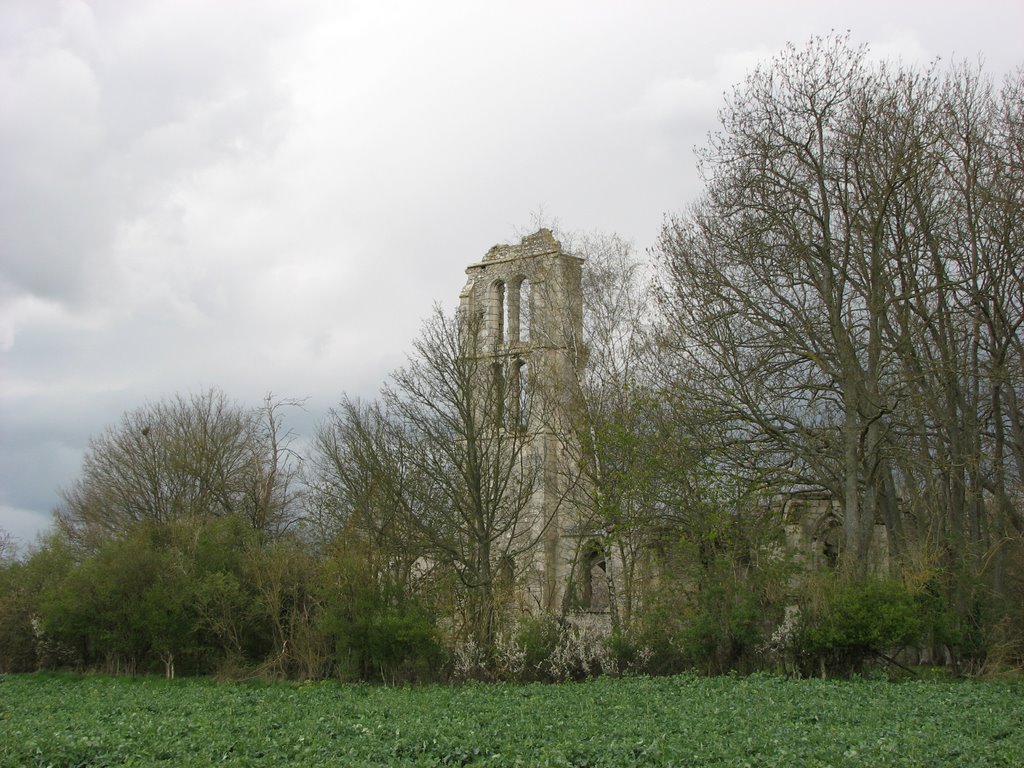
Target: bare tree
{"points": [[606, 436], [188, 458], [273, 499], [8, 547], [655, 492], [442, 465]]}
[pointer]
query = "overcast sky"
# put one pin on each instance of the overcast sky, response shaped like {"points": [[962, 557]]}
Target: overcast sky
{"points": [[270, 196]]}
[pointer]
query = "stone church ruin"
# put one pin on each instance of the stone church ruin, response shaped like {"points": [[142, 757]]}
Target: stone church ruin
{"points": [[529, 302]]}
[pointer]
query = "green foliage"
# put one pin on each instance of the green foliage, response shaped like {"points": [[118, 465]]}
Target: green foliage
{"points": [[380, 630], [285, 575], [231, 622], [125, 606], [227, 619], [982, 629], [722, 629], [25, 582], [942, 627], [17, 639], [537, 638], [550, 648], [843, 624], [213, 598], [153, 600], [687, 720], [710, 616]]}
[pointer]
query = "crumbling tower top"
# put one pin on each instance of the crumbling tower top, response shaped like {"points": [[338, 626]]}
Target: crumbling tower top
{"points": [[540, 243], [529, 295]]}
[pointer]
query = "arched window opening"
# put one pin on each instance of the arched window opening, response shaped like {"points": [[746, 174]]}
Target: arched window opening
{"points": [[506, 571], [518, 317], [593, 579], [522, 396], [512, 319], [499, 313], [829, 542], [513, 310], [525, 310]]}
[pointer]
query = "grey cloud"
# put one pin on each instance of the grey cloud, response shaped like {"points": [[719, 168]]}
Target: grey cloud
{"points": [[268, 196]]}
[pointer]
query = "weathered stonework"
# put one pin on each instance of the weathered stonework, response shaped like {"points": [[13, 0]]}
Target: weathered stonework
{"points": [[813, 522], [530, 299]]}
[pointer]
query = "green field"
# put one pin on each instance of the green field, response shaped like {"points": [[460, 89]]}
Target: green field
{"points": [[101, 721]]}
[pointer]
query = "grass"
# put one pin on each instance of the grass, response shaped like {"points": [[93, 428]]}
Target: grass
{"points": [[756, 721]]}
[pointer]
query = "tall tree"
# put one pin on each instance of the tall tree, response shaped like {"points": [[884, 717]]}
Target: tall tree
{"points": [[607, 435], [441, 466], [187, 458], [654, 494], [838, 291]]}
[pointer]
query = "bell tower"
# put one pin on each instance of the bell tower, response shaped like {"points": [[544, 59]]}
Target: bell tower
{"points": [[530, 300]]}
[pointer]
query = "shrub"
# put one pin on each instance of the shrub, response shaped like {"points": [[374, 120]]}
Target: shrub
{"points": [[392, 644], [845, 624], [17, 639], [380, 631], [715, 623], [536, 639], [544, 648]]}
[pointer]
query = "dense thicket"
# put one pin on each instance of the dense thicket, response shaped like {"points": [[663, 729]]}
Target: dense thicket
{"points": [[848, 298], [839, 314]]}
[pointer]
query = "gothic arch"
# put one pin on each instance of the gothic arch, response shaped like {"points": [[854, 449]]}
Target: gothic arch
{"points": [[519, 309], [521, 395], [593, 581], [828, 540]]}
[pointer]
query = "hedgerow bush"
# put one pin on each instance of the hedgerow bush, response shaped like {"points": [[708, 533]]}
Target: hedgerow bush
{"points": [[843, 625], [714, 621], [543, 648], [379, 631]]}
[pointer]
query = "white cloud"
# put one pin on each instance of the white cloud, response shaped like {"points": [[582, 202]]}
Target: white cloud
{"points": [[267, 196]]}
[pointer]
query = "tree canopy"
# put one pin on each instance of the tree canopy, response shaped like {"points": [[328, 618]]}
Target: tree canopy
{"points": [[839, 317]]}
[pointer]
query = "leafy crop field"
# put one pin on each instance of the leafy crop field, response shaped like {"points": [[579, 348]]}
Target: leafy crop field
{"points": [[99, 721]]}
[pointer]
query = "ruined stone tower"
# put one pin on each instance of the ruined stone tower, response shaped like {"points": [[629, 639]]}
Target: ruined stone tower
{"points": [[529, 299]]}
